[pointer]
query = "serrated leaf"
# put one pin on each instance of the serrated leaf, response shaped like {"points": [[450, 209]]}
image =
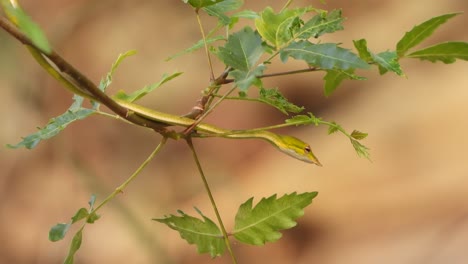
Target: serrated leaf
{"points": [[105, 82], [27, 26], [262, 224], [145, 90], [447, 52], [363, 51], [325, 56], [201, 3], [420, 33], [274, 98], [56, 125], [358, 135], [242, 50], [279, 29], [74, 247], [58, 232], [321, 24], [80, 214], [219, 9], [245, 79], [361, 150], [200, 44], [335, 77], [388, 61], [205, 234]]}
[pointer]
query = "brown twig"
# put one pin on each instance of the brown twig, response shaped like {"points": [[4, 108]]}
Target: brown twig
{"points": [[84, 83]]}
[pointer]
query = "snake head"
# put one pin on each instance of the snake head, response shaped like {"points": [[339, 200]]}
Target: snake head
{"points": [[298, 149]]}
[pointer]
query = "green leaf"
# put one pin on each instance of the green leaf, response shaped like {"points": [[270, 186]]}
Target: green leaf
{"points": [[262, 224], [325, 56], [321, 24], [388, 61], [333, 128], [279, 29], [361, 47], [219, 9], [334, 77], [27, 26], [446, 52], [201, 3], [304, 120], [75, 245], [205, 234], [145, 90], [55, 125], [58, 232], [93, 217], [200, 44], [420, 33], [274, 98], [248, 14], [80, 214], [245, 79], [358, 135], [361, 150], [108, 79], [242, 50]]}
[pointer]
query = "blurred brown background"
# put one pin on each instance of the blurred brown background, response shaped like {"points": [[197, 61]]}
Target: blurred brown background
{"points": [[409, 205]]}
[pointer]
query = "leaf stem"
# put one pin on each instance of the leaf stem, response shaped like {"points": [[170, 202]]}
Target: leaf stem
{"points": [[202, 31], [213, 203], [133, 176]]}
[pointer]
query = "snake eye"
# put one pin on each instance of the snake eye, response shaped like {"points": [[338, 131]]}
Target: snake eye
{"points": [[307, 149]]}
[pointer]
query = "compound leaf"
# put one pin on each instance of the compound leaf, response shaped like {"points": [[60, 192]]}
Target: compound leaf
{"points": [[205, 234], [262, 224]]}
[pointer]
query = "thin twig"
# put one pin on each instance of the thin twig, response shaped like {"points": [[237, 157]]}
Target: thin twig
{"points": [[210, 195], [280, 73]]}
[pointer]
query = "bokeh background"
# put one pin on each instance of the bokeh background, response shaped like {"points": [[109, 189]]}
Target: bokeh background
{"points": [[409, 205]]}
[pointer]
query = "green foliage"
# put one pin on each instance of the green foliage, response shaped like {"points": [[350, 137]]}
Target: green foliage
{"points": [[446, 52], [247, 55], [262, 223], [26, 25], [205, 234], [147, 89], [105, 82], [325, 56], [56, 125], [274, 98], [420, 33], [254, 226]]}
